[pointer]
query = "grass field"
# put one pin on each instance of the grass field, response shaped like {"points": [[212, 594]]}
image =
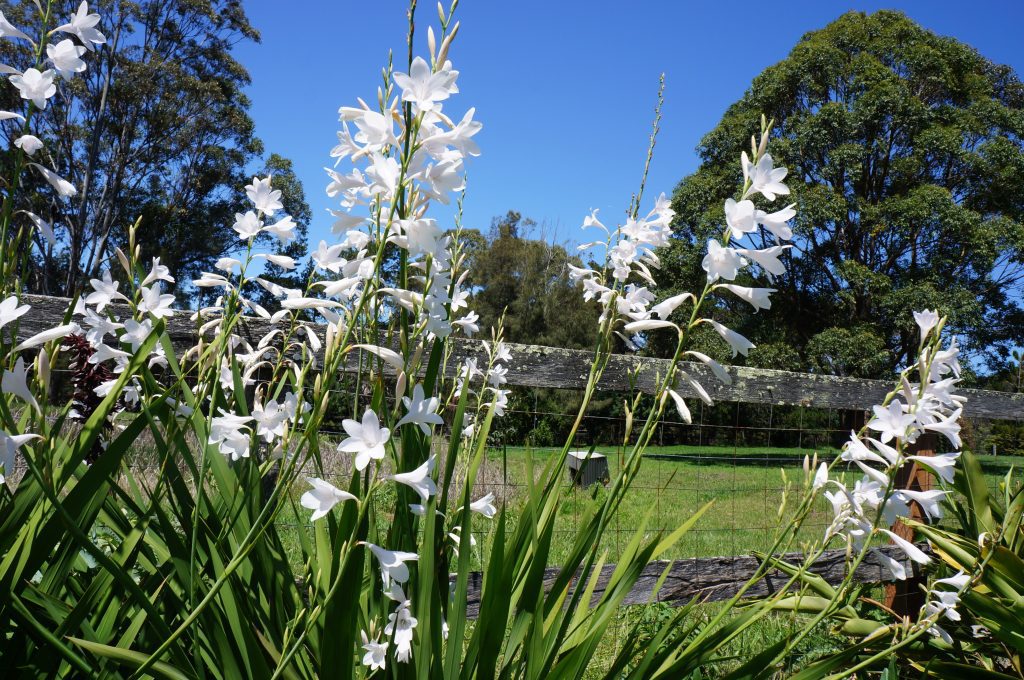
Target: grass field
{"points": [[745, 486]]}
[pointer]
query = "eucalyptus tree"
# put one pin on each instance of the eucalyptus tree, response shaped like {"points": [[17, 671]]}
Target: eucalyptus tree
{"points": [[158, 128]]}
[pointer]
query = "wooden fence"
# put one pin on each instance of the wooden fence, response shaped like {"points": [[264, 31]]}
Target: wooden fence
{"points": [[548, 367]]}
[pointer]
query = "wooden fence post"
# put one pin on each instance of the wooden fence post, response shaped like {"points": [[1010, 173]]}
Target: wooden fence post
{"points": [[906, 597]]}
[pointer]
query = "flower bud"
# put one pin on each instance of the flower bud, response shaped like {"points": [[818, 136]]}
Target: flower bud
{"points": [[443, 54], [400, 384], [123, 259], [43, 369]]}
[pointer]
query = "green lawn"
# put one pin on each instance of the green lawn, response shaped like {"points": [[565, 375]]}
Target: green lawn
{"points": [[745, 485]]}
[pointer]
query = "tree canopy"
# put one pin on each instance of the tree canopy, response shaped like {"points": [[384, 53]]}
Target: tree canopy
{"points": [[157, 127], [527, 280], [905, 151]]}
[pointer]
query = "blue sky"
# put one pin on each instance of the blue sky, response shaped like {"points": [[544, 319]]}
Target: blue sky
{"points": [[565, 90]]}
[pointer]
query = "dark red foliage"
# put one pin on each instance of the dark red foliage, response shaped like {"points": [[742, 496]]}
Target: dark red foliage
{"points": [[85, 378]]}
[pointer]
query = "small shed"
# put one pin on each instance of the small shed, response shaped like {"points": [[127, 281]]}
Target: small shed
{"points": [[587, 468]]}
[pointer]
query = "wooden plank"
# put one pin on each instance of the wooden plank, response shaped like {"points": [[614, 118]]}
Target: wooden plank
{"points": [[907, 597], [713, 579], [537, 366]]}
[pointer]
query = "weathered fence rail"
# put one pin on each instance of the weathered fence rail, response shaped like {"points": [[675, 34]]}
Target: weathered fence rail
{"points": [[536, 366], [713, 579]]}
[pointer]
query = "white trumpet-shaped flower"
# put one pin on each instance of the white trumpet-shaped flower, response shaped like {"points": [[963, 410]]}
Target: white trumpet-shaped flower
{"points": [[420, 480], [16, 382], [420, 410], [737, 343], [722, 261], [83, 25], [9, 445], [10, 310], [35, 85], [392, 563], [424, 88], [366, 439], [322, 497], [484, 506], [65, 57]]}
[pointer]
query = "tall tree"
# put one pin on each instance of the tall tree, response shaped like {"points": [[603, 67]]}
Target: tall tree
{"points": [[527, 280], [157, 127], [905, 154]]}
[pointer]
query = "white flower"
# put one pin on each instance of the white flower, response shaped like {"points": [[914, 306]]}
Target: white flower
{"points": [[209, 280], [740, 217], [468, 324], [948, 427], [926, 321], [104, 292], [156, 304], [393, 565], [912, 551], [10, 311], [400, 625], [35, 85], [767, 258], [283, 229], [820, 477], [247, 225], [764, 178], [758, 298], [41, 224], [29, 144], [776, 222], [282, 261], [384, 172], [322, 497], [930, 501], [365, 439], [718, 369], [737, 343], [229, 432], [945, 602], [721, 262], [106, 353], [83, 25], [50, 334], [9, 445], [943, 464], [421, 411], [648, 325], [420, 237], [328, 258], [7, 29], [263, 197], [681, 408], [16, 382], [484, 506], [65, 58], [891, 422], [228, 264], [420, 480], [272, 418], [376, 653], [158, 272], [135, 332], [665, 308], [375, 130], [423, 88], [63, 187]]}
